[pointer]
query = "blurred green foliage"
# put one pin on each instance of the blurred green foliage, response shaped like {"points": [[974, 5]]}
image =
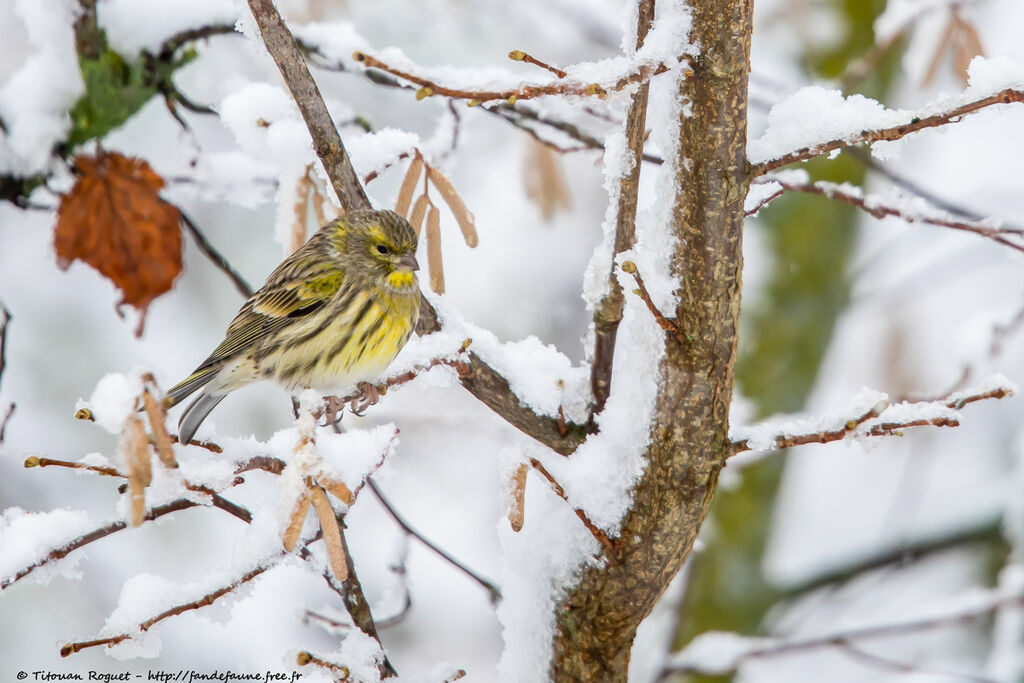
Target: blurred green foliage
{"points": [[114, 90], [784, 334]]}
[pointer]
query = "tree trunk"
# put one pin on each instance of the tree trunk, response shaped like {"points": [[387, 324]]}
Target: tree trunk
{"points": [[689, 436]]}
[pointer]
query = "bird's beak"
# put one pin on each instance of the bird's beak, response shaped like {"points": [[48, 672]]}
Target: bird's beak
{"points": [[408, 262]]}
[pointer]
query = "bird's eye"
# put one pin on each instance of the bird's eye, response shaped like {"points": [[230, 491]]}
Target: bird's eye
{"points": [[381, 249]]}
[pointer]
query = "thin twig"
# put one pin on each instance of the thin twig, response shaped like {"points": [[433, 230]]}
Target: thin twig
{"points": [[596, 531], [493, 591], [6, 419], [216, 258], [667, 324], [5, 320], [1007, 96], [878, 661]]}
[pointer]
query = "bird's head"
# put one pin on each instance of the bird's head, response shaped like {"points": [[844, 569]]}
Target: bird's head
{"points": [[380, 245]]}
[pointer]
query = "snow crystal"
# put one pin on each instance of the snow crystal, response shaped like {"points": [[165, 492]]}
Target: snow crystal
{"points": [[28, 537], [335, 41], [135, 25]]}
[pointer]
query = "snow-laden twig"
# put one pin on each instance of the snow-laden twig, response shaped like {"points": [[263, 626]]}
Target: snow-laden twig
{"points": [[899, 206], [204, 601], [719, 653], [875, 417], [96, 534], [429, 87], [912, 124]]}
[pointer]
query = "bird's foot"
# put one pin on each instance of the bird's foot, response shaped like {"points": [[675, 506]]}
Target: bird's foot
{"points": [[367, 394]]}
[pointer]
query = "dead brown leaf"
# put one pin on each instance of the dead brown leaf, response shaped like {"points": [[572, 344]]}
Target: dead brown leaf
{"points": [[115, 220]]}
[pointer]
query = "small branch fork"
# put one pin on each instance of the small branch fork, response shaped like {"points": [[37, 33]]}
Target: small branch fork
{"points": [[880, 429], [879, 210], [474, 97], [1007, 96]]}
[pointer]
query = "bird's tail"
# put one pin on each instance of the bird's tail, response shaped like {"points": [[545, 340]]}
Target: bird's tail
{"points": [[189, 385], [195, 413]]}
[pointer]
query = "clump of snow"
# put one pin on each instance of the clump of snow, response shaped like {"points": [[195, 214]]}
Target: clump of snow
{"points": [[541, 376], [28, 537], [815, 115], [115, 398], [135, 25], [987, 75], [36, 118], [372, 152], [353, 456], [335, 41]]}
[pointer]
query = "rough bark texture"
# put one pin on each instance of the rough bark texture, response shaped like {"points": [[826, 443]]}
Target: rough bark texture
{"points": [[689, 437]]}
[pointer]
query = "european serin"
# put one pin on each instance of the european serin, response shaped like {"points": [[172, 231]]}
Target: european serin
{"points": [[335, 313]]}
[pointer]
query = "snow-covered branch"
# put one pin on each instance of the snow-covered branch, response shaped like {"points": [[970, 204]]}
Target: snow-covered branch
{"points": [[428, 87], [847, 117], [905, 208], [870, 414], [718, 653]]}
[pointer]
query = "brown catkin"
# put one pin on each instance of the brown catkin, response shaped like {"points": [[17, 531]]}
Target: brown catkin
{"points": [[419, 211], [408, 186], [338, 489], [135, 447], [295, 522], [454, 201], [161, 437], [434, 250], [517, 509], [332, 533]]}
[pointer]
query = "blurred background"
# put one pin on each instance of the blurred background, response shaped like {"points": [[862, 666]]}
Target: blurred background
{"points": [[821, 538]]}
